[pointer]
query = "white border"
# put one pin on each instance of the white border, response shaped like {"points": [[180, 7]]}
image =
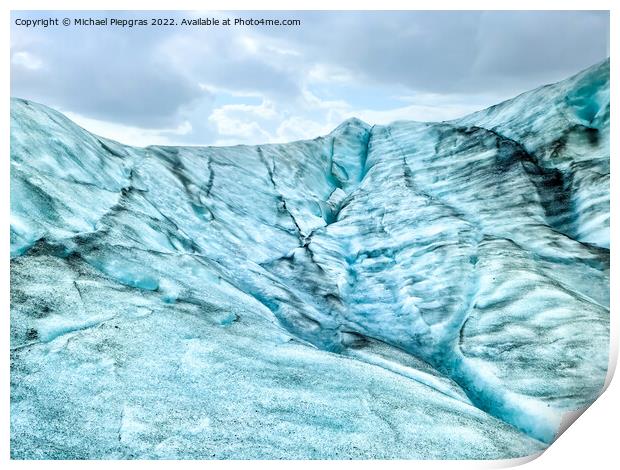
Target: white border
{"points": [[591, 442]]}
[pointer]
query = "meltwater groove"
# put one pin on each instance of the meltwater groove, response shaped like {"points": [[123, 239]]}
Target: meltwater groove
{"points": [[416, 290]]}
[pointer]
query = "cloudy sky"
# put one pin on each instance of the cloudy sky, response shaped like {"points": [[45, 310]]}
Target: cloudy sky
{"points": [[256, 84]]}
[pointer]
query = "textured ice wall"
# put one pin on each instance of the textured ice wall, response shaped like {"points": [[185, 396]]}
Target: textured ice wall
{"points": [[418, 290]]}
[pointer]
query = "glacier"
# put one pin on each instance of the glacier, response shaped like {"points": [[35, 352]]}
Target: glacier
{"points": [[412, 291]]}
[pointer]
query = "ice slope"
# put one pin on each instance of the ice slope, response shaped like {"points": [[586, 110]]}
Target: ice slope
{"points": [[417, 290]]}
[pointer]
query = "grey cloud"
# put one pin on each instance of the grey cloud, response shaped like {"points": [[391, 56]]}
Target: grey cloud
{"points": [[542, 47], [104, 76], [151, 77], [456, 52]]}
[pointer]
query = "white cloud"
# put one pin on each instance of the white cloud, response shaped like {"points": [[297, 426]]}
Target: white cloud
{"points": [[27, 60], [414, 112], [130, 135], [217, 90], [249, 44], [243, 121], [327, 73], [299, 128]]}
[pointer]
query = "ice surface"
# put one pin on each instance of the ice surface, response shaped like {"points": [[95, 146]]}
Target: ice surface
{"points": [[417, 290]]}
